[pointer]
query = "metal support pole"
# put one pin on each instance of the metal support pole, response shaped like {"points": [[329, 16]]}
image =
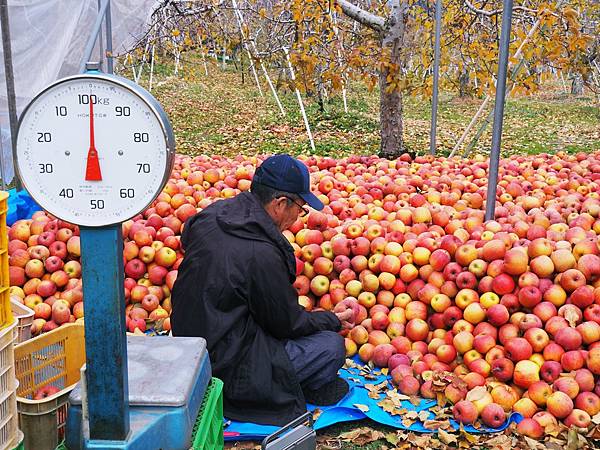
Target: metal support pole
{"points": [[105, 337], [10, 86], [89, 47], [299, 98], [499, 110], [240, 21], [436, 77], [270, 83], [513, 77], [101, 54], [489, 117], [471, 124], [109, 43]]}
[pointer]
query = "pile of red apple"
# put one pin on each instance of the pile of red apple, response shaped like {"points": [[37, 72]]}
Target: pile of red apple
{"points": [[44, 252], [44, 270], [510, 308]]}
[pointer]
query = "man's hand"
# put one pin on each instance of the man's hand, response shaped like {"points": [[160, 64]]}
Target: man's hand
{"points": [[346, 318], [345, 315]]}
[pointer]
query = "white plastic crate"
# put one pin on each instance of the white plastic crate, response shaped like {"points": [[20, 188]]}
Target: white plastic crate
{"points": [[9, 433], [24, 318]]}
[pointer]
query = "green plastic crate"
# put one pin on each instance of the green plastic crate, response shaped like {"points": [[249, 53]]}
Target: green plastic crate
{"points": [[20, 438], [208, 431]]}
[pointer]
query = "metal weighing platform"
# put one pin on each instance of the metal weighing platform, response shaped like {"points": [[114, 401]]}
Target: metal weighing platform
{"points": [[168, 377]]}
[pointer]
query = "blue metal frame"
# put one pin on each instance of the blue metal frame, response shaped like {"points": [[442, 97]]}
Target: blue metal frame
{"points": [[436, 78], [103, 16], [490, 204], [105, 337]]}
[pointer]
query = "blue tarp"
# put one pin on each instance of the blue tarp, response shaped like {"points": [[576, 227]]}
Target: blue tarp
{"points": [[347, 410], [20, 206]]}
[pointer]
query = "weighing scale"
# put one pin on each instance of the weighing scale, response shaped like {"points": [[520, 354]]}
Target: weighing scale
{"points": [[95, 150]]}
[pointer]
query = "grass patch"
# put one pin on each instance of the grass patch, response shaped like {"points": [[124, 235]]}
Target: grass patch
{"points": [[220, 114]]}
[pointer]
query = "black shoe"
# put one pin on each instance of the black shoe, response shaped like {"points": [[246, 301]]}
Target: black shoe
{"points": [[328, 394]]}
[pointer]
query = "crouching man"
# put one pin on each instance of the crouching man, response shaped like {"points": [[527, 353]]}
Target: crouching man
{"points": [[234, 288]]}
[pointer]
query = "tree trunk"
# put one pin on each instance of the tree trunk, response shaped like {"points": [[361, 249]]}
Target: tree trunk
{"points": [[281, 78], [321, 92], [390, 116], [321, 101], [463, 84], [242, 66], [391, 30], [390, 101], [577, 84], [538, 74]]}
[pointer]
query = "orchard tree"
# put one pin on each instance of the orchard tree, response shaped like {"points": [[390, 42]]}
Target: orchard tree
{"points": [[388, 44], [559, 35], [390, 29]]}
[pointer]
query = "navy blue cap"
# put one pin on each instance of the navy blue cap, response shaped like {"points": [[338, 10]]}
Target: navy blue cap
{"points": [[284, 173]]}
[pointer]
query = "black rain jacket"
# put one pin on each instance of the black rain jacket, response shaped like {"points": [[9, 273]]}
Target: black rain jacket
{"points": [[234, 288]]}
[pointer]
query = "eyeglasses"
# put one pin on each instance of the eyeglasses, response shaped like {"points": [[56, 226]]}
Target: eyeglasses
{"points": [[303, 209]]}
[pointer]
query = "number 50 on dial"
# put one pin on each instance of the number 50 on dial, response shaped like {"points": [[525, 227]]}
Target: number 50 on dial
{"points": [[94, 149]]}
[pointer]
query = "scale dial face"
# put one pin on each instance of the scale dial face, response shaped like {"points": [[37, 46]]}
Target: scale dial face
{"points": [[94, 149]]}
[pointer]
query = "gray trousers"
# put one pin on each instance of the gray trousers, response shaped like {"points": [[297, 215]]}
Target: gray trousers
{"points": [[316, 358]]}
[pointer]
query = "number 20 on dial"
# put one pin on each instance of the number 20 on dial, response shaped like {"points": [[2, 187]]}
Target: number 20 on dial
{"points": [[94, 149]]}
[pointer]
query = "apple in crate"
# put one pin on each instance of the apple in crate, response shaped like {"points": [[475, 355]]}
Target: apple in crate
{"points": [[45, 391]]}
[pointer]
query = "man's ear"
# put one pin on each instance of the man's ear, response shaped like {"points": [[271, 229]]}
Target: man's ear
{"points": [[273, 206], [280, 202]]}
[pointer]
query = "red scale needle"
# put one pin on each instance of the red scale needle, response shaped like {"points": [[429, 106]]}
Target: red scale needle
{"points": [[92, 170]]}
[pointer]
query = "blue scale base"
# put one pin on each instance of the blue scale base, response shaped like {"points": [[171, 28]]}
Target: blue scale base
{"points": [[168, 378]]}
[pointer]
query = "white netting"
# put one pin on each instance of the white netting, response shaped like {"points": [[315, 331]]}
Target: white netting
{"points": [[48, 39]]}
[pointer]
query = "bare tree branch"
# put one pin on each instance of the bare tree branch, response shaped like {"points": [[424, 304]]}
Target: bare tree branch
{"points": [[487, 13], [365, 18]]}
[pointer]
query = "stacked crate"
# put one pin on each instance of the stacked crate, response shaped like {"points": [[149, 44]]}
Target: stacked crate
{"points": [[10, 436], [51, 359], [208, 431]]}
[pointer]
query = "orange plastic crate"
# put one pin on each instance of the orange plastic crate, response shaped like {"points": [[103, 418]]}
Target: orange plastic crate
{"points": [[6, 317], [54, 359]]}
